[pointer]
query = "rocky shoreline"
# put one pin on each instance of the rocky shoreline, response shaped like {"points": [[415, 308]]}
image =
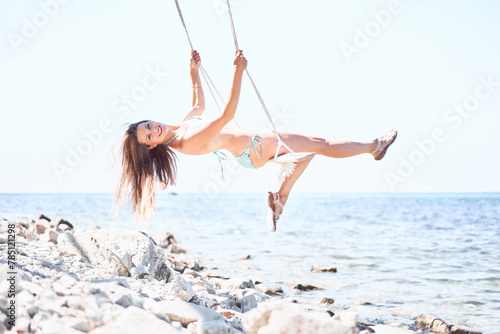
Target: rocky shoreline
{"points": [[93, 280]]}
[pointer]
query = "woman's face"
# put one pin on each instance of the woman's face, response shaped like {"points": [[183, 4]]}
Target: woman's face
{"points": [[152, 133]]}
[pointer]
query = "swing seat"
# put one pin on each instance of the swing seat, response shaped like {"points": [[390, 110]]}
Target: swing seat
{"points": [[294, 157]]}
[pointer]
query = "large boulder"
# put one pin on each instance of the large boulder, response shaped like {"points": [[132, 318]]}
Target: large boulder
{"points": [[432, 323], [185, 313], [435, 325], [118, 251], [281, 317], [136, 320]]}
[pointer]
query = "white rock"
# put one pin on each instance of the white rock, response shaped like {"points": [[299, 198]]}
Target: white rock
{"points": [[177, 325], [383, 329], [233, 318], [140, 271], [109, 328], [66, 280], [135, 320], [25, 298], [3, 317], [205, 283], [4, 238], [95, 304], [248, 302], [247, 299], [185, 313], [78, 324], [280, 317], [149, 304], [33, 288], [213, 327], [125, 300], [191, 328], [117, 251], [39, 226], [49, 236], [180, 288], [38, 318], [63, 286], [52, 325], [237, 283], [22, 324], [212, 301], [111, 312], [110, 284], [68, 245], [163, 239], [269, 289], [75, 302], [192, 272], [119, 292]]}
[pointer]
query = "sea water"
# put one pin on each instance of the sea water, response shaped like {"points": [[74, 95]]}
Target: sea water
{"points": [[397, 255]]}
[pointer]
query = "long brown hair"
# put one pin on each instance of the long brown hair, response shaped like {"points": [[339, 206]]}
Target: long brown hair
{"points": [[139, 166]]}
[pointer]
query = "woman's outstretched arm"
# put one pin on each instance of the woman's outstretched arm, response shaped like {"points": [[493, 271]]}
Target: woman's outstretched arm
{"points": [[196, 139], [198, 96]]}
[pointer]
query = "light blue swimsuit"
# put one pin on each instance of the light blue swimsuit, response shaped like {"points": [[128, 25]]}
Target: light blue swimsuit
{"points": [[243, 159]]}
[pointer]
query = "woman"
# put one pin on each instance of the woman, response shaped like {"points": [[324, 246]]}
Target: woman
{"points": [[147, 147]]}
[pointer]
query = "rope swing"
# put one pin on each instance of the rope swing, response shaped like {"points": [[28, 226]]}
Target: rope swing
{"points": [[204, 73], [285, 162], [284, 158]]}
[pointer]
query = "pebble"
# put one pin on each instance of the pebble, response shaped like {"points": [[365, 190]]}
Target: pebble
{"points": [[315, 269], [304, 287], [270, 290], [436, 325], [432, 323], [327, 300], [186, 313], [237, 283], [454, 329], [282, 317], [384, 329], [136, 320]]}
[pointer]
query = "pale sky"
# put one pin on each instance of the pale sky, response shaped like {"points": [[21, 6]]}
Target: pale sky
{"points": [[72, 73]]}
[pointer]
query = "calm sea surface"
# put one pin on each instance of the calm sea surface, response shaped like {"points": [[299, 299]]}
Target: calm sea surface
{"points": [[397, 255]]}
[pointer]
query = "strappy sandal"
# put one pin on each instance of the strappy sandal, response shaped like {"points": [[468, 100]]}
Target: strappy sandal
{"points": [[272, 216], [389, 138]]}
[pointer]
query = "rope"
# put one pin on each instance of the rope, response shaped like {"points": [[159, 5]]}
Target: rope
{"points": [[184, 24], [280, 141], [204, 73], [233, 30]]}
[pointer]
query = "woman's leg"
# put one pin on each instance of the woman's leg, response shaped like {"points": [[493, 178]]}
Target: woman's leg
{"points": [[329, 148], [321, 146], [287, 185]]}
